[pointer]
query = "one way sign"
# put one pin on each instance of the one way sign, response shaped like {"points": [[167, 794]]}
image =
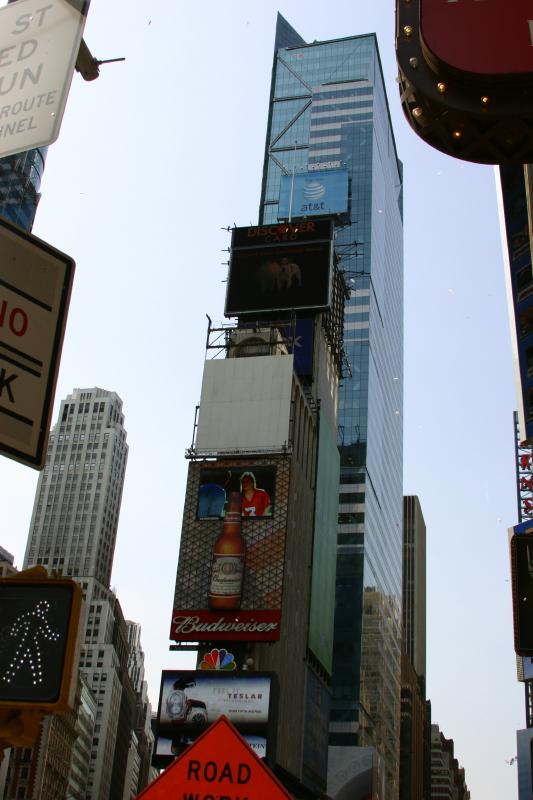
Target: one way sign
{"points": [[35, 286], [219, 765]]}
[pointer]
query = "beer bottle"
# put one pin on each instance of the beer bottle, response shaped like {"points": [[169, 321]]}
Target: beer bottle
{"points": [[227, 569]]}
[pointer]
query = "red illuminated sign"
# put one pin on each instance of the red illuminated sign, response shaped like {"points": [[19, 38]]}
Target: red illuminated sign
{"points": [[200, 625], [218, 766], [485, 37]]}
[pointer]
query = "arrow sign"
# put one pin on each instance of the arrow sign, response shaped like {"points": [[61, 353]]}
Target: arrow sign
{"points": [[219, 765]]}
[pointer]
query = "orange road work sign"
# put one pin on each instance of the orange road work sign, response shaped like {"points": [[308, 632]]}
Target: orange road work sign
{"points": [[219, 765]]}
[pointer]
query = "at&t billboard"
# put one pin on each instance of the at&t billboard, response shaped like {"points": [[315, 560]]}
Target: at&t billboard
{"points": [[313, 194]]}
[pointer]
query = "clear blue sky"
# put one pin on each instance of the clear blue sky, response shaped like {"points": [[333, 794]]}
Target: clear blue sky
{"points": [[153, 159]]}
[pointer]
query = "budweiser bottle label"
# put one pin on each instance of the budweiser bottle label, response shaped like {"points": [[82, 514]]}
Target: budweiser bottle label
{"points": [[226, 576]]}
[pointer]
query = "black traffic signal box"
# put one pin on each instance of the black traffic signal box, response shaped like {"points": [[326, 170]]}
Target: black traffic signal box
{"points": [[39, 647]]}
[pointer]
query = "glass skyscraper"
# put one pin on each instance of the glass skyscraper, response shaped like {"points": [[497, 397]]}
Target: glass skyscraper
{"points": [[20, 181], [328, 111]]}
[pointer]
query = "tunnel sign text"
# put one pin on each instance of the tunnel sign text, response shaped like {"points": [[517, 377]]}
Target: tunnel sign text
{"points": [[39, 44]]}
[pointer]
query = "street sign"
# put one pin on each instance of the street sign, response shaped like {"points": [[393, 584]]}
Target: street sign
{"points": [[220, 765], [35, 286], [39, 44]]}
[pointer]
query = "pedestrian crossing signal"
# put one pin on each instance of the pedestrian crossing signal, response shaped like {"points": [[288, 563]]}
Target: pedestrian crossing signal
{"points": [[39, 622]]}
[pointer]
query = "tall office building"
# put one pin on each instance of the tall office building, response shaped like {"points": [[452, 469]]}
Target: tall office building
{"points": [[414, 584], [524, 747], [75, 516], [266, 439], [105, 751], [140, 755], [328, 111], [415, 730], [447, 777]]}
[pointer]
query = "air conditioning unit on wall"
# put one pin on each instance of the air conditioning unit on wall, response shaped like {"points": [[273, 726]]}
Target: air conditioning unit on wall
{"points": [[261, 342]]}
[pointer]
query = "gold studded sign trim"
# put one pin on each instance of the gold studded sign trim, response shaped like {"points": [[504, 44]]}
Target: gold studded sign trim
{"points": [[258, 617]]}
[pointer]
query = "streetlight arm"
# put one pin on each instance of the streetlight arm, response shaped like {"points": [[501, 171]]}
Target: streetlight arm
{"points": [[87, 65]]}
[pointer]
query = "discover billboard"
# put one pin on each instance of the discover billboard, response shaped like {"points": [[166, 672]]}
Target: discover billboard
{"points": [[280, 267]]}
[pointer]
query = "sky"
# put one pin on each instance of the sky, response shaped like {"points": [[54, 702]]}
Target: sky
{"points": [[154, 159]]}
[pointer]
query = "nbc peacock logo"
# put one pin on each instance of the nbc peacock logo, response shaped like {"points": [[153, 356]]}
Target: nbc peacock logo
{"points": [[218, 660]]}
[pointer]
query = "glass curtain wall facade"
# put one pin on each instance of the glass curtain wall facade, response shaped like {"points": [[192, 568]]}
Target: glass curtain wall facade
{"points": [[328, 110], [20, 181]]}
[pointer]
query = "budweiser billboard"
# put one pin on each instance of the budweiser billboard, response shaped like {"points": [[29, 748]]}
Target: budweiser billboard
{"points": [[229, 580]]}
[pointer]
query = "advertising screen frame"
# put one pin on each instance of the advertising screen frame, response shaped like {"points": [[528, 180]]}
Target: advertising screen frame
{"points": [[521, 555], [272, 267], [295, 203], [225, 480], [199, 613], [252, 731]]}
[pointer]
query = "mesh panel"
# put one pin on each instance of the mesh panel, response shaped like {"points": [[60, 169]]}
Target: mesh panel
{"points": [[265, 544]]}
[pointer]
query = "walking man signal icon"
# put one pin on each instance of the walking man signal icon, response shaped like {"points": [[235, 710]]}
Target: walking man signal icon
{"points": [[28, 630], [39, 643]]}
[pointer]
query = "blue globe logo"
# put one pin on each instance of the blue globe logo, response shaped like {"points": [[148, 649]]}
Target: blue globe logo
{"points": [[313, 190]]}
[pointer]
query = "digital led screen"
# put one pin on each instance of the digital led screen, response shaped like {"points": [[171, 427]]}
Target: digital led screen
{"points": [[521, 546], [277, 271], [190, 701], [256, 487]]}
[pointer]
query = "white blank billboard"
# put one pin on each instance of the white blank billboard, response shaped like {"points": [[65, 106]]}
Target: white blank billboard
{"points": [[245, 404]]}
